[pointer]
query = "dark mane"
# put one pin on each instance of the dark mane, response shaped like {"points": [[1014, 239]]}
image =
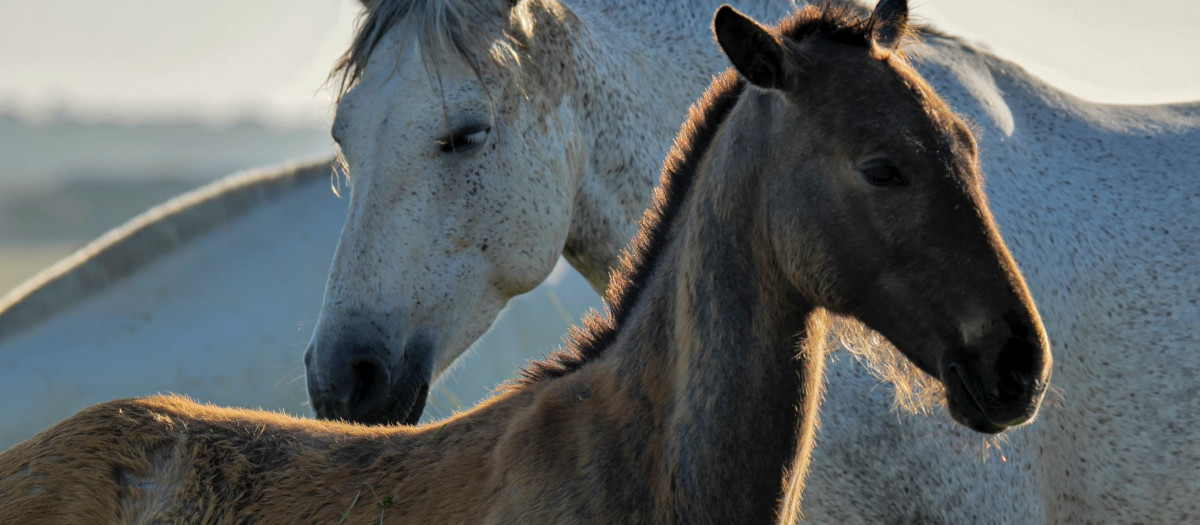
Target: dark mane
{"points": [[844, 23], [639, 259], [839, 23]]}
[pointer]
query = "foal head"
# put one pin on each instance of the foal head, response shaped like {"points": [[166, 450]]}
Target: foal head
{"points": [[877, 208]]}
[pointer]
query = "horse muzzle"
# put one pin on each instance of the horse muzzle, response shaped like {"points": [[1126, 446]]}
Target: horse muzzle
{"points": [[996, 399], [367, 383]]}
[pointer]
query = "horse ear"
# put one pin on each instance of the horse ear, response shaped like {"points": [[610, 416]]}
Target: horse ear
{"points": [[890, 23], [754, 51]]}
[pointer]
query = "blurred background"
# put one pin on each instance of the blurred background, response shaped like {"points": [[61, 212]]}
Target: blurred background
{"points": [[107, 108]]}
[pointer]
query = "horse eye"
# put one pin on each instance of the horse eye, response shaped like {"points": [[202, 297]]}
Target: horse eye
{"points": [[463, 140], [883, 175]]}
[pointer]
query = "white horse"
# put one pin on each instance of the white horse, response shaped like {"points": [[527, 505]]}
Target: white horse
{"points": [[483, 137]]}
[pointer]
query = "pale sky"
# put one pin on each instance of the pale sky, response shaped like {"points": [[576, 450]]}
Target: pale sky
{"points": [[216, 59]]}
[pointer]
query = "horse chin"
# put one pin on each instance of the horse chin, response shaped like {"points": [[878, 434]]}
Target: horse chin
{"points": [[966, 410], [403, 410]]}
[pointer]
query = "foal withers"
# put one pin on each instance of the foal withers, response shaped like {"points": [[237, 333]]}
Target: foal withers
{"points": [[691, 401]]}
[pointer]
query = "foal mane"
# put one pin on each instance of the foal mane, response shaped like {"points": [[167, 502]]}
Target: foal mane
{"points": [[840, 23], [639, 259]]}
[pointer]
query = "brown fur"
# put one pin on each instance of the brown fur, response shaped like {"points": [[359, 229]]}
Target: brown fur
{"points": [[694, 401]]}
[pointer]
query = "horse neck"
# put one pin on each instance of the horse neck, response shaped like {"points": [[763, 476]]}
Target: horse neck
{"points": [[636, 67], [713, 344]]}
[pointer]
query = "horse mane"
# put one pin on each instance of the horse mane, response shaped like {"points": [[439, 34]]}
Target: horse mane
{"points": [[841, 24], [443, 27]]}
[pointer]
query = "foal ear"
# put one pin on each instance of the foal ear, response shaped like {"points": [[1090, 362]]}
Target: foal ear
{"points": [[889, 22], [754, 51]]}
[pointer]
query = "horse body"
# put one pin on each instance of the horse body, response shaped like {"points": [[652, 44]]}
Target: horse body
{"points": [[1109, 233], [691, 401]]}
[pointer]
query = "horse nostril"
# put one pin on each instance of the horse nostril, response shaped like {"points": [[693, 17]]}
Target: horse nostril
{"points": [[414, 415], [1013, 387], [370, 385], [1015, 368]]}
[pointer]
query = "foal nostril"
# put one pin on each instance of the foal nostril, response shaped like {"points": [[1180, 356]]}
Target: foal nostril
{"points": [[370, 385], [1015, 369], [1014, 386]]}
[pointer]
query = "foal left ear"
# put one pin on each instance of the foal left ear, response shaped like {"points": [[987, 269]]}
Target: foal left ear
{"points": [[890, 23], [754, 51]]}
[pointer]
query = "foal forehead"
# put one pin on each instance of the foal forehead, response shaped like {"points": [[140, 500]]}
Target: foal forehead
{"points": [[893, 86], [873, 101]]}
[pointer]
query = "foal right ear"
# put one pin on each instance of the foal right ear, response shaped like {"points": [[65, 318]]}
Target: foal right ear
{"points": [[754, 51]]}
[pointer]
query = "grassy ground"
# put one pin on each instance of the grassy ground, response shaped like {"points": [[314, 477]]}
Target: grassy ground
{"points": [[21, 260]]}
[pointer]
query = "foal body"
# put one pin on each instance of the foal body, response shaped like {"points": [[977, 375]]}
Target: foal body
{"points": [[589, 447], [689, 402]]}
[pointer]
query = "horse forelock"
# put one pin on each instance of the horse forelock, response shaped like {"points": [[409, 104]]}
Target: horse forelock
{"points": [[475, 31]]}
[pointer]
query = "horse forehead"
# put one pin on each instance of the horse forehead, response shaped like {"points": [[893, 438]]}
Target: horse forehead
{"points": [[403, 69]]}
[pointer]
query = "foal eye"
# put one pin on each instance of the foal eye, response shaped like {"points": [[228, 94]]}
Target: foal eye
{"points": [[883, 174], [462, 140]]}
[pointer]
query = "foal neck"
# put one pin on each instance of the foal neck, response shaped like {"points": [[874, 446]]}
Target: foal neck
{"points": [[709, 357]]}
